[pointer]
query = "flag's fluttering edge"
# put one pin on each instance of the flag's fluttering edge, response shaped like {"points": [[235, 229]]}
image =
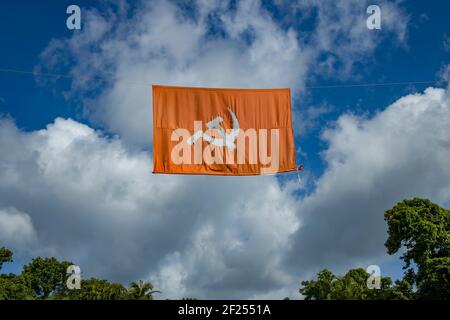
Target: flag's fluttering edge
{"points": [[222, 131]]}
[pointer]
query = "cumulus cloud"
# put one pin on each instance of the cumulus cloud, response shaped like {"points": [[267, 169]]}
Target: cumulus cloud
{"points": [[118, 54], [94, 202], [93, 199], [16, 229], [97, 204], [402, 152]]}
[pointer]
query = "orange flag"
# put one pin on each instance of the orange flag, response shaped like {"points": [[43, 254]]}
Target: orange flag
{"points": [[222, 131]]}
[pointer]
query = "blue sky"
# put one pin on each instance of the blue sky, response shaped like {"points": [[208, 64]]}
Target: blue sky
{"points": [[410, 47], [28, 26]]}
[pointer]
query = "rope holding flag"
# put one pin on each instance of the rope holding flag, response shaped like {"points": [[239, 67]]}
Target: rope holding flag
{"points": [[299, 168]]}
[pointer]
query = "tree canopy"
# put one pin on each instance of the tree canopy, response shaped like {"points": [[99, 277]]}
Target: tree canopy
{"points": [[353, 286], [418, 228], [5, 256], [45, 278], [421, 229]]}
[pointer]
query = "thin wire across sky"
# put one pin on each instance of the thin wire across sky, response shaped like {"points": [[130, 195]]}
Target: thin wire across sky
{"points": [[314, 87]]}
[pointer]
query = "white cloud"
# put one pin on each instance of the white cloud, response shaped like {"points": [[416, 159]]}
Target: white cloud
{"points": [[93, 199], [340, 37], [117, 56], [94, 202], [402, 152], [16, 229], [97, 204], [308, 119]]}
